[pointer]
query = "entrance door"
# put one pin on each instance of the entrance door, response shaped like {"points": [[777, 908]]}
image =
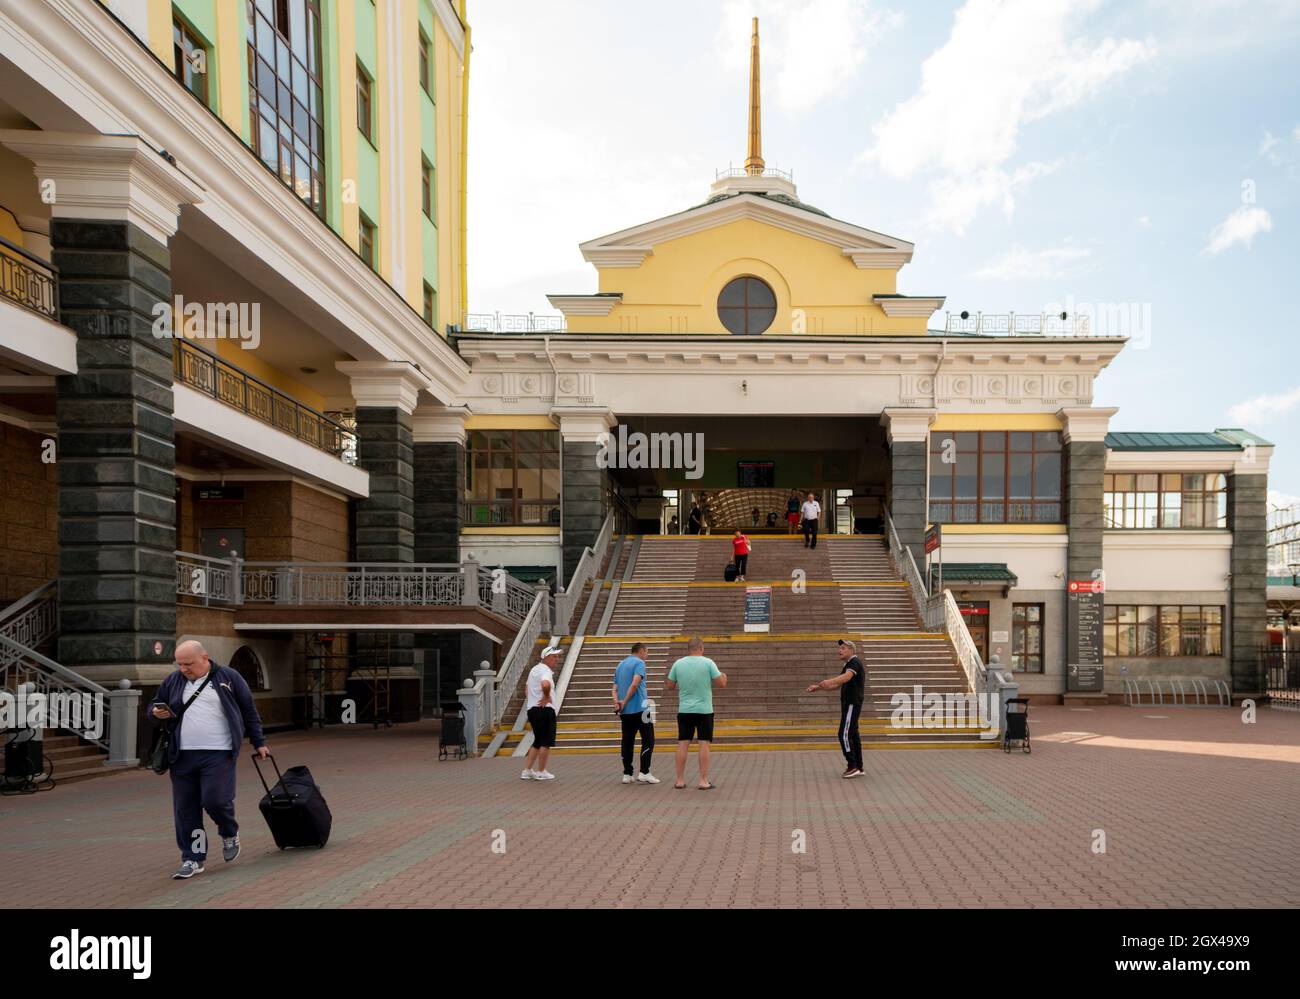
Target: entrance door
{"points": [[976, 616]]}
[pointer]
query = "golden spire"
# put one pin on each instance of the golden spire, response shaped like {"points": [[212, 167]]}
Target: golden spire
{"points": [[754, 165]]}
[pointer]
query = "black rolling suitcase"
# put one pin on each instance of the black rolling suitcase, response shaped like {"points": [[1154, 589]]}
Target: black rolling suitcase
{"points": [[729, 573], [294, 809]]}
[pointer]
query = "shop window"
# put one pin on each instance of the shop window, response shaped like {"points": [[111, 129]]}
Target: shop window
{"points": [[1164, 631]]}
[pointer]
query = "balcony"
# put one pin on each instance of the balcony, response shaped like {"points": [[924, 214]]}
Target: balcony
{"points": [[204, 371], [1023, 324], [29, 281]]}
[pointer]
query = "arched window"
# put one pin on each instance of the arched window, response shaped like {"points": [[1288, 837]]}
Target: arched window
{"points": [[747, 306], [248, 664]]}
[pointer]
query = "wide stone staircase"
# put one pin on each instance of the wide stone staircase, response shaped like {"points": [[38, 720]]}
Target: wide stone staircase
{"points": [[663, 589]]}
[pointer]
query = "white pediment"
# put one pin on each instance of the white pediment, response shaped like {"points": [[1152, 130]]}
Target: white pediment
{"points": [[630, 247]]}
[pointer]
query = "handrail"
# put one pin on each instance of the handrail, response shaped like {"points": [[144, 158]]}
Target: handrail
{"points": [[232, 386], [32, 619], [521, 649], [566, 600], [20, 665], [25, 285]]}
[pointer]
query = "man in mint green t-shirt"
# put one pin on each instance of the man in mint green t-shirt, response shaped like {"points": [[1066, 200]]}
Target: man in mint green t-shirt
{"points": [[693, 677]]}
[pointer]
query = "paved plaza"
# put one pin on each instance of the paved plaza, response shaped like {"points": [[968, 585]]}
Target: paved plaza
{"points": [[1197, 809]]}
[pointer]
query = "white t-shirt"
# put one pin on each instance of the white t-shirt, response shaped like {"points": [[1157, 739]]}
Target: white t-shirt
{"points": [[533, 691], [204, 725], [812, 510]]}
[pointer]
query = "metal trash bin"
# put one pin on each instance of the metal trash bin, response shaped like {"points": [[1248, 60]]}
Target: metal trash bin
{"points": [[453, 731]]}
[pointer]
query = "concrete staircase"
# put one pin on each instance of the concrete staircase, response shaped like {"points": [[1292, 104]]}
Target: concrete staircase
{"points": [[847, 587]]}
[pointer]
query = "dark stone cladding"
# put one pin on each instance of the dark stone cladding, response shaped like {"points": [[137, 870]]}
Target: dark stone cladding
{"points": [[585, 496], [116, 452], [909, 466], [1085, 519], [439, 488], [1248, 521], [385, 520]]}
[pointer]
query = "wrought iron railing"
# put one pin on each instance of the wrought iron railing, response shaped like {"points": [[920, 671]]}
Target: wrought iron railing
{"points": [[535, 623], [500, 322], [29, 281], [203, 370], [742, 172], [1022, 324], [207, 580], [23, 670], [34, 619], [1281, 675], [566, 600]]}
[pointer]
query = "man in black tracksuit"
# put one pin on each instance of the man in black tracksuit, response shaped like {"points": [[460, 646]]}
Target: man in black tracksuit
{"points": [[852, 689]]}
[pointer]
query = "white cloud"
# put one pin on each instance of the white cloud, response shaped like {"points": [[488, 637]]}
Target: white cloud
{"points": [[954, 201], [1005, 63], [810, 49], [1276, 498], [1242, 226], [1144, 221], [1266, 145], [1019, 264], [1264, 408], [1295, 134]]}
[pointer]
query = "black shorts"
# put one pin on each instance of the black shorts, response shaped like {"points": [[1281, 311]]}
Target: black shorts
{"points": [[689, 726], [543, 722]]}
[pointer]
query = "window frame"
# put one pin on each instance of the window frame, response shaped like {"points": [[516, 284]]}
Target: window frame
{"points": [[426, 64], [365, 96], [745, 308], [428, 189], [1026, 625], [1168, 619], [181, 56], [1006, 500], [429, 309], [367, 233], [512, 506], [1115, 513]]}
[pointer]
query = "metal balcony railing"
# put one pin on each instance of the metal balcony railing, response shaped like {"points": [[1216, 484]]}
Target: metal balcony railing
{"points": [[1022, 324], [500, 322], [201, 369], [29, 281]]}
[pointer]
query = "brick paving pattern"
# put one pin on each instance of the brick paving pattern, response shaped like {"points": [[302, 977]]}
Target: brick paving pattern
{"points": [[1197, 808]]}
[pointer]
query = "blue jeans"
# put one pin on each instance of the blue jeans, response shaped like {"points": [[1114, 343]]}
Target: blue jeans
{"points": [[202, 780]]}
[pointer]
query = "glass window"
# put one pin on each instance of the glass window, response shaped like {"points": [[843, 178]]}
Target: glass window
{"points": [[1149, 500], [996, 477], [427, 190], [365, 112], [430, 305], [190, 59], [513, 478], [747, 306], [367, 243], [1027, 638], [285, 94], [426, 76]]}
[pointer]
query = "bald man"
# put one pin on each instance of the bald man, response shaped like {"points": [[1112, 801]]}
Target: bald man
{"points": [[209, 708]]}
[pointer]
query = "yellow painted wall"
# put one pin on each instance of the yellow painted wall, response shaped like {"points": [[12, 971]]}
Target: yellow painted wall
{"points": [[675, 290], [160, 31], [231, 50], [409, 121], [449, 88], [521, 422], [345, 64], [231, 351], [996, 421]]}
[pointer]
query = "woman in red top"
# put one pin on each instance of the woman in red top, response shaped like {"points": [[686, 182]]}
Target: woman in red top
{"points": [[740, 548]]}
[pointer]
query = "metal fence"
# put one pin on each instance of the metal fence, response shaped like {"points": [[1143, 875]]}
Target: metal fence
{"points": [[29, 281], [1281, 669], [500, 322]]}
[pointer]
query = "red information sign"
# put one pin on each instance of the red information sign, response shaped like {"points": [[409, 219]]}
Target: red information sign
{"points": [[1087, 586]]}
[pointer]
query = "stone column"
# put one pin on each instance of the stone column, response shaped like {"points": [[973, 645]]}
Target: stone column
{"points": [[908, 434], [440, 436], [386, 393], [115, 205], [1248, 521], [1084, 439], [585, 483]]}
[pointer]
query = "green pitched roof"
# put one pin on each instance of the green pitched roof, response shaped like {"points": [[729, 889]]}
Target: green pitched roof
{"points": [[1231, 439], [975, 572], [784, 199]]}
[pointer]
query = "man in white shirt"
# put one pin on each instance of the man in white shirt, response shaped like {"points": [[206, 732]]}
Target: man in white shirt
{"points": [[540, 704], [811, 513]]}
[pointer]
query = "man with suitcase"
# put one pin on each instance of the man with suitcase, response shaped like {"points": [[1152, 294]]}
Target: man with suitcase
{"points": [[209, 708]]}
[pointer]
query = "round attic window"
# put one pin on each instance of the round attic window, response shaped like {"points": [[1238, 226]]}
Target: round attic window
{"points": [[747, 306]]}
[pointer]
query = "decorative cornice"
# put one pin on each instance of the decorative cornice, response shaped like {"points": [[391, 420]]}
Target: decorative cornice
{"points": [[1085, 423], [586, 305], [431, 425], [908, 424], [384, 384], [629, 247], [115, 177], [908, 305], [586, 424]]}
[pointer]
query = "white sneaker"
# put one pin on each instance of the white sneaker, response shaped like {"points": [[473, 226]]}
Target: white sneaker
{"points": [[647, 779], [543, 775], [528, 775], [627, 778]]}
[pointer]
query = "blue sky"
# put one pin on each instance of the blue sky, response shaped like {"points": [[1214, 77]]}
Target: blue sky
{"points": [[1141, 157]]}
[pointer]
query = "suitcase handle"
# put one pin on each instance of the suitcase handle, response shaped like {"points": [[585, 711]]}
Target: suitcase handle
{"points": [[278, 776]]}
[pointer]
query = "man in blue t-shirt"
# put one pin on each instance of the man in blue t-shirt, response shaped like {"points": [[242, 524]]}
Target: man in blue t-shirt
{"points": [[631, 706]]}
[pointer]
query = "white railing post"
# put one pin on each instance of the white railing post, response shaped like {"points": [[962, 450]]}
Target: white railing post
{"points": [[486, 679], [472, 698], [470, 597], [123, 706], [544, 591]]}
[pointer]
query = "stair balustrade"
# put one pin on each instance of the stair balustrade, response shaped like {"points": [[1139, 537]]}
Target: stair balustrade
{"points": [[566, 600]]}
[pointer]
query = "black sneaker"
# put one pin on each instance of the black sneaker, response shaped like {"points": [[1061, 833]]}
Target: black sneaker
{"points": [[188, 869], [852, 772]]}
